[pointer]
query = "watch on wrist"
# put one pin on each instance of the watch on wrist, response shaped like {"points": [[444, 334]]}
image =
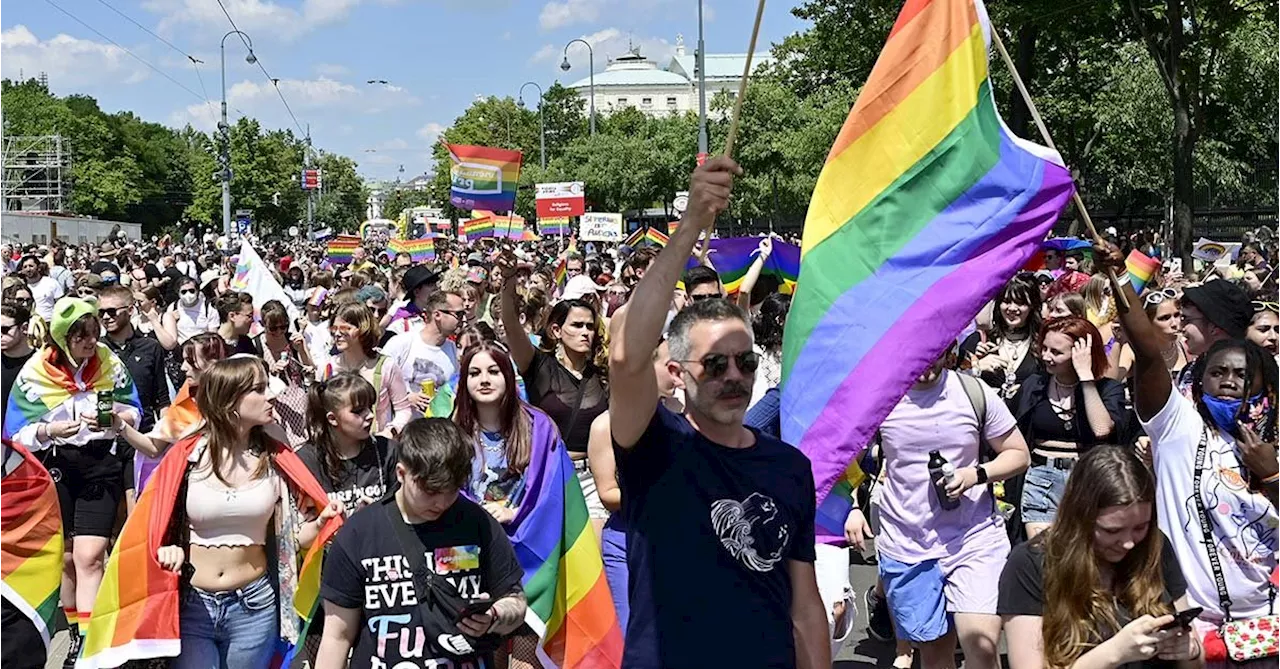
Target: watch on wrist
{"points": [[982, 474]]}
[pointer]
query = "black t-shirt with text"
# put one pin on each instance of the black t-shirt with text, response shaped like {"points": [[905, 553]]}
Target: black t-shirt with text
{"points": [[710, 532], [1022, 589], [366, 569], [372, 473]]}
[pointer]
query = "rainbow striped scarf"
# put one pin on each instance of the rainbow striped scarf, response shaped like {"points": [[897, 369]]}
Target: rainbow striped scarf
{"points": [[30, 539], [135, 616], [43, 386]]}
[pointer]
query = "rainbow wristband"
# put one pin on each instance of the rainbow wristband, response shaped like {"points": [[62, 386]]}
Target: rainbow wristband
{"points": [[1141, 268]]}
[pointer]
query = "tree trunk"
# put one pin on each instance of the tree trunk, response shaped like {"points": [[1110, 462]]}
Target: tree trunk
{"points": [[1184, 143], [1024, 59]]}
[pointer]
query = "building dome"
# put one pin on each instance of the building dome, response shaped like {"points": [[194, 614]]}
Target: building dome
{"points": [[632, 69]]}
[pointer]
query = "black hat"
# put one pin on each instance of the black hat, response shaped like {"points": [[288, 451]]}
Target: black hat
{"points": [[1223, 303], [416, 276]]}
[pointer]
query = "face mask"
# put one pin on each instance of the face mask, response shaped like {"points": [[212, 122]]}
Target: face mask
{"points": [[190, 300], [1224, 410]]}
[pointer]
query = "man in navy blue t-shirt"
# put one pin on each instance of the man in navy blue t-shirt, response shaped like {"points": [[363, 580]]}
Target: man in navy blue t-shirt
{"points": [[720, 518]]}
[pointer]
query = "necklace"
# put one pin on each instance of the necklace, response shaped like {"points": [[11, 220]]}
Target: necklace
{"points": [[1062, 405]]}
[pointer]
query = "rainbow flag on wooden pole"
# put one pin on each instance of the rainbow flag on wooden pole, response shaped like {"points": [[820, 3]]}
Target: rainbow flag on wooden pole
{"points": [[483, 177], [926, 206]]}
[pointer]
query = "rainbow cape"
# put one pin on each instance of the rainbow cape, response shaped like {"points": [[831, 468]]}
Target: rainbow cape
{"points": [[178, 420], [483, 177], [135, 616], [42, 386], [569, 602], [419, 250], [733, 256], [927, 204], [30, 539], [340, 249]]}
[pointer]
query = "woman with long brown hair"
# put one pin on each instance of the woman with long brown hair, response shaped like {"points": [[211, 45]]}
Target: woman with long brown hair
{"points": [[1005, 357], [1097, 589], [355, 336]]}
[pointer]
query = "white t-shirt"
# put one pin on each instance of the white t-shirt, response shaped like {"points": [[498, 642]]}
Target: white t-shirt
{"points": [[419, 361], [1244, 523], [913, 525], [45, 292], [319, 343]]}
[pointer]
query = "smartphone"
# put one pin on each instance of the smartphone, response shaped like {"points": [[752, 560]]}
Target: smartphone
{"points": [[1182, 619], [473, 608], [106, 403]]}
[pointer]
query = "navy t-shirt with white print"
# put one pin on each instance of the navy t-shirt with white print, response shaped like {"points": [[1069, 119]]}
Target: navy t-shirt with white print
{"points": [[709, 532]]}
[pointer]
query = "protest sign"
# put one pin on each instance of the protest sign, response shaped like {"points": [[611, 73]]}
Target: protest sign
{"points": [[598, 227]]}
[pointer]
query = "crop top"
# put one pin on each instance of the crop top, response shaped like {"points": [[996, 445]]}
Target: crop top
{"points": [[223, 516]]}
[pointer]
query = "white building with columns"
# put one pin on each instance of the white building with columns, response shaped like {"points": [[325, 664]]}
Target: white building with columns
{"points": [[632, 80]]}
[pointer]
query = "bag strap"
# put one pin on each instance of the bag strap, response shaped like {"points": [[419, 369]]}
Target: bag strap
{"points": [[424, 579], [978, 400], [1206, 531]]}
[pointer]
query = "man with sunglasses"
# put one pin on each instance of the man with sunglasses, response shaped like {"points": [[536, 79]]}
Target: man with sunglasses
{"points": [[720, 518], [702, 283], [144, 358], [429, 353], [14, 344]]}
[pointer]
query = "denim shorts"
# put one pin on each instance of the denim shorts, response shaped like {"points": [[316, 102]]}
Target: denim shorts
{"points": [[1041, 493], [235, 629]]}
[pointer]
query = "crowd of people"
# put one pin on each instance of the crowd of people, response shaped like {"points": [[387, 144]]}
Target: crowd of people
{"points": [[1107, 498]]}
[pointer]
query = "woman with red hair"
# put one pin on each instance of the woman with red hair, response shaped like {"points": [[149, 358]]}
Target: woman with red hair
{"points": [[1064, 411]]}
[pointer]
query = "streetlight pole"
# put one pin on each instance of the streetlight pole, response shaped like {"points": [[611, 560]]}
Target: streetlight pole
{"points": [[701, 64], [542, 123], [591, 63], [225, 129]]}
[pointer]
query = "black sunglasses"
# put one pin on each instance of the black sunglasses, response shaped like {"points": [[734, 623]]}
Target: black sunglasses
{"points": [[704, 296], [188, 291], [114, 312], [278, 328], [716, 364], [6, 329], [460, 314]]}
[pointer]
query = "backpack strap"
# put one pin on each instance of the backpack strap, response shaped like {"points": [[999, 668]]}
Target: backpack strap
{"points": [[978, 400]]}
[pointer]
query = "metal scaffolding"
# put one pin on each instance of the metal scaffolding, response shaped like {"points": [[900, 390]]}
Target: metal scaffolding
{"points": [[35, 173]]}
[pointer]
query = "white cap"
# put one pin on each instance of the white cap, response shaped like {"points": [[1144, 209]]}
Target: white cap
{"points": [[578, 286]]}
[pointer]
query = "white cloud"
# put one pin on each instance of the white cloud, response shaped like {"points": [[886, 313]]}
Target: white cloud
{"points": [[607, 43], [430, 132], [332, 69], [252, 16], [568, 12], [258, 98], [69, 61]]}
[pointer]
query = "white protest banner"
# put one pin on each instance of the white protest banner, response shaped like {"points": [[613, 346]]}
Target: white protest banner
{"points": [[597, 227], [253, 277], [1210, 251], [564, 198]]}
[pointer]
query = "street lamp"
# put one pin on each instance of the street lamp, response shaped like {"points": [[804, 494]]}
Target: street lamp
{"points": [[702, 89], [542, 125], [226, 130], [591, 63]]}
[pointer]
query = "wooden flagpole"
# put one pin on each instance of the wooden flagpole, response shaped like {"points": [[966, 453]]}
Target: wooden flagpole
{"points": [[1044, 133]]}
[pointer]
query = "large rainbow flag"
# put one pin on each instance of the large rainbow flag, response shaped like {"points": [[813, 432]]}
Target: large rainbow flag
{"points": [[926, 206], [43, 387], [569, 602], [341, 248], [483, 177], [733, 256], [30, 539], [553, 226], [135, 616]]}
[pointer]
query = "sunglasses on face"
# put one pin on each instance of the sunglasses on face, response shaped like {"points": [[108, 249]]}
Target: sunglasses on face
{"points": [[22, 301], [275, 329], [114, 312], [87, 292], [715, 365], [703, 296], [459, 314], [188, 291], [8, 329]]}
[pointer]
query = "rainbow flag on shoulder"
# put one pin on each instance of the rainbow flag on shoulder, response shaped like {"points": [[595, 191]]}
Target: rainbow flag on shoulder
{"points": [[926, 206], [483, 177], [30, 539]]}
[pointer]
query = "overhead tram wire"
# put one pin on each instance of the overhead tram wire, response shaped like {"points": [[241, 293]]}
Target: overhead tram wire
{"points": [[133, 55], [275, 83], [195, 62]]}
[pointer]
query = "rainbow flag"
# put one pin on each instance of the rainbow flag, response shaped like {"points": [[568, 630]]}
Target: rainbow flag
{"points": [[561, 273], [135, 616], [483, 177], [527, 235], [43, 387], [569, 602], [671, 227], [733, 256], [1140, 268], [419, 250], [646, 235], [634, 238], [341, 247], [926, 206], [554, 226], [479, 227], [30, 539]]}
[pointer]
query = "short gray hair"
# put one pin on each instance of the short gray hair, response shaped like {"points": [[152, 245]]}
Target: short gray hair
{"points": [[698, 312]]}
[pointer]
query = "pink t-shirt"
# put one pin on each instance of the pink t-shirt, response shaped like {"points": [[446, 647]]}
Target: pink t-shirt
{"points": [[914, 527]]}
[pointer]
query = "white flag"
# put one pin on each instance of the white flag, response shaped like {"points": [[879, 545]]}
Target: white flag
{"points": [[253, 277]]}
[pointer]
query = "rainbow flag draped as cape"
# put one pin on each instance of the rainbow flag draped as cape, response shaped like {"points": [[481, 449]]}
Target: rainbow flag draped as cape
{"points": [[30, 539], [178, 420], [135, 616], [569, 602], [419, 250], [926, 206], [42, 386], [341, 247], [483, 177], [733, 256]]}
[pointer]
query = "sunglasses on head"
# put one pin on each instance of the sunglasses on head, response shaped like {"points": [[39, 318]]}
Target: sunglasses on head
{"points": [[1260, 305], [715, 365], [1159, 296]]}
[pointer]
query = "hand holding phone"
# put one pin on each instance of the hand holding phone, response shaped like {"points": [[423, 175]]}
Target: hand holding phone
{"points": [[1182, 619], [475, 608]]}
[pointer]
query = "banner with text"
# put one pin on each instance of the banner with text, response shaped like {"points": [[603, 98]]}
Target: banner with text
{"points": [[597, 227], [560, 199]]}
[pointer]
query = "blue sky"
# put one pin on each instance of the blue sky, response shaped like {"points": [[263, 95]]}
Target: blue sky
{"points": [[437, 56]]}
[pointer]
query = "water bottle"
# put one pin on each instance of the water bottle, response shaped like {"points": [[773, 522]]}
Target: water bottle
{"points": [[941, 473]]}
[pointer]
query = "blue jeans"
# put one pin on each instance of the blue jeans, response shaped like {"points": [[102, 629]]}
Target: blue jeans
{"points": [[614, 553], [236, 629]]}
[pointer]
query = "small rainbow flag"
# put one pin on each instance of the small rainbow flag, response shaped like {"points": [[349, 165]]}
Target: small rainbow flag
{"points": [[1141, 268], [925, 207], [480, 226], [341, 247], [646, 235], [528, 235], [554, 226], [671, 227], [30, 539], [733, 256], [561, 273], [419, 250], [483, 177]]}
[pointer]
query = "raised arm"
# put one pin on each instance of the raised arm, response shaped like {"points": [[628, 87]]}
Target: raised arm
{"points": [[633, 389], [1151, 376], [753, 273], [519, 345]]}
